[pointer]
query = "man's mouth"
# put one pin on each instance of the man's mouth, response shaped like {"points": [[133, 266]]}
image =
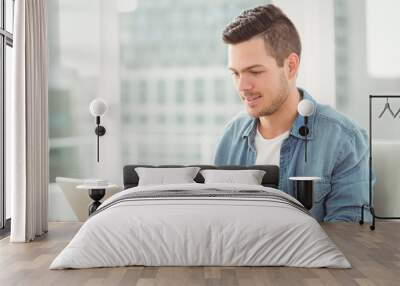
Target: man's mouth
{"points": [[252, 100]]}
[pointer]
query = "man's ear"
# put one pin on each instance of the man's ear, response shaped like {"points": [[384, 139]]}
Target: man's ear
{"points": [[292, 63]]}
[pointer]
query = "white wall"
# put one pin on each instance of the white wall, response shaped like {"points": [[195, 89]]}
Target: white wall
{"points": [[314, 21]]}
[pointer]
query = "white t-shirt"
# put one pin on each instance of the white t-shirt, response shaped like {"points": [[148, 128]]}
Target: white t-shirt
{"points": [[269, 150]]}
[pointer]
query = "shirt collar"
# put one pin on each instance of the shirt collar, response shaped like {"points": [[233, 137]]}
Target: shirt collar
{"points": [[299, 121]]}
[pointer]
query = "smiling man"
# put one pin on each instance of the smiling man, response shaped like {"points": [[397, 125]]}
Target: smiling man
{"points": [[264, 56]]}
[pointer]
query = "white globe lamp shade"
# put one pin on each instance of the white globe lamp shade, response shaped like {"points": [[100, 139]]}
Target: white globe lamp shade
{"points": [[98, 107], [306, 107]]}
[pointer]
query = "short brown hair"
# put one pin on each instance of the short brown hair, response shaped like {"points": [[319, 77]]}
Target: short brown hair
{"points": [[280, 35]]}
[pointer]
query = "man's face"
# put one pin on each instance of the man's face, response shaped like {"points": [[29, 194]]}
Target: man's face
{"points": [[261, 83]]}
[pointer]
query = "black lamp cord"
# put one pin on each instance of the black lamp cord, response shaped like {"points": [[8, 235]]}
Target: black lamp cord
{"points": [[98, 128], [306, 133]]}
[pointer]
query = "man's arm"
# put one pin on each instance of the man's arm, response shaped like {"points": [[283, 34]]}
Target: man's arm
{"points": [[223, 148], [350, 179]]}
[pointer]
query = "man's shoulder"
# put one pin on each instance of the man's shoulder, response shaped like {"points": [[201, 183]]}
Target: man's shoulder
{"points": [[328, 115], [231, 148], [240, 122]]}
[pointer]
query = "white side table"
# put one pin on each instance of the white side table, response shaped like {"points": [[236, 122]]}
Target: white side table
{"points": [[96, 193]]}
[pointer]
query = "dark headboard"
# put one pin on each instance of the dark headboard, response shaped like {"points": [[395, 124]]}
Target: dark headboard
{"points": [[270, 179]]}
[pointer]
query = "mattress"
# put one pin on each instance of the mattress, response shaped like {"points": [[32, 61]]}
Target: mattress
{"points": [[201, 225]]}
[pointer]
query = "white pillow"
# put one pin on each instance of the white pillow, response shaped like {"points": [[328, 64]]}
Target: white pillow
{"points": [[248, 177], [163, 176]]}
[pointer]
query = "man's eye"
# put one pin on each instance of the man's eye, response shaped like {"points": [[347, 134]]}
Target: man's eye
{"points": [[235, 74], [256, 72]]}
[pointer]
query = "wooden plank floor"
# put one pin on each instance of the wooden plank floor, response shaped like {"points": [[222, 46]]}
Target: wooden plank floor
{"points": [[374, 255]]}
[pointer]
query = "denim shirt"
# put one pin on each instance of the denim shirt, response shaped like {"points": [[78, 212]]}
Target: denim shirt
{"points": [[337, 151]]}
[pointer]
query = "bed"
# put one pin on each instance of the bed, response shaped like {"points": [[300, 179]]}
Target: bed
{"points": [[201, 223]]}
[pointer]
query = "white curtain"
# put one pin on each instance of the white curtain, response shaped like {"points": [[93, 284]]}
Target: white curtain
{"points": [[27, 123]]}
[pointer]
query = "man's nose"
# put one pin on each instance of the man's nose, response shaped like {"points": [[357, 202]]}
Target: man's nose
{"points": [[244, 84]]}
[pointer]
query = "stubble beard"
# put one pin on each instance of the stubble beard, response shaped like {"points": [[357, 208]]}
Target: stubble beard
{"points": [[277, 101]]}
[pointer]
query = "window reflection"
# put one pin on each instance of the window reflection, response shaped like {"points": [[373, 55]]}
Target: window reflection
{"points": [[173, 94]]}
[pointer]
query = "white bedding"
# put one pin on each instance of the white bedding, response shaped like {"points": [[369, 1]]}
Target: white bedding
{"points": [[200, 231]]}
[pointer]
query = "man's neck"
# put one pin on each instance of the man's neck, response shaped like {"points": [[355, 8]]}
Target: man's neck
{"points": [[282, 120]]}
